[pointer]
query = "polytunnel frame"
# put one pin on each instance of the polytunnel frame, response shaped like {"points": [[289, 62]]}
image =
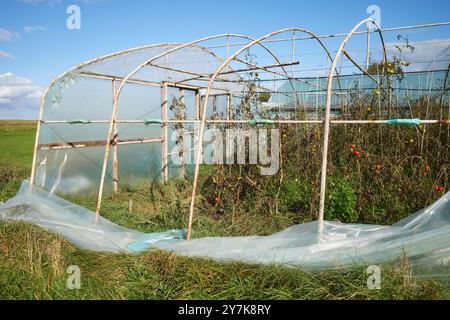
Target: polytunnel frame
{"points": [[98, 76], [117, 92], [259, 41], [61, 76], [164, 94], [327, 111]]}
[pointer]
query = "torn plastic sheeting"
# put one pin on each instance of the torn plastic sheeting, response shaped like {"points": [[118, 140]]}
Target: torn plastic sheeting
{"points": [[424, 237], [75, 223]]}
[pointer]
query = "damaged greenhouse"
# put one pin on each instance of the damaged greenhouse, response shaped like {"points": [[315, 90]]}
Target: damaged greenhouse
{"points": [[147, 114]]}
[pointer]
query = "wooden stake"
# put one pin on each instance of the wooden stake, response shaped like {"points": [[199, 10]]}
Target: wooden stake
{"points": [[105, 158], [130, 205], [229, 107], [197, 105], [198, 113], [164, 134], [93, 143], [349, 57], [214, 104], [36, 142], [181, 140], [143, 82], [115, 151]]}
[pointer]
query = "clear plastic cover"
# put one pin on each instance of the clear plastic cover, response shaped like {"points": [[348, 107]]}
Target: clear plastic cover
{"points": [[78, 107], [422, 237]]}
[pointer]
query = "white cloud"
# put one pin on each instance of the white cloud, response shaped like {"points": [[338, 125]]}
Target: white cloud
{"points": [[19, 97], [6, 35], [4, 54], [31, 29]]}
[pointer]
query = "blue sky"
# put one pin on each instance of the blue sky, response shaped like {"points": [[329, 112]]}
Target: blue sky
{"points": [[36, 46]]}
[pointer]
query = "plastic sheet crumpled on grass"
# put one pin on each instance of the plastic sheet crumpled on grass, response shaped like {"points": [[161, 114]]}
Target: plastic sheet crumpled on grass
{"points": [[423, 237]]}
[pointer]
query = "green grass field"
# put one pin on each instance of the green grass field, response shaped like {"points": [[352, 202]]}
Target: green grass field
{"points": [[16, 142], [33, 262]]}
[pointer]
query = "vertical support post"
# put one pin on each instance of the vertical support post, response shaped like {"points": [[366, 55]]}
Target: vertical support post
{"points": [[228, 146], [229, 106], [448, 129], [164, 134], [198, 112], [317, 99], [292, 73], [326, 134], [200, 109], [106, 156], [293, 53], [214, 104], [181, 148], [115, 151], [36, 142], [368, 47], [444, 88], [197, 105], [323, 175]]}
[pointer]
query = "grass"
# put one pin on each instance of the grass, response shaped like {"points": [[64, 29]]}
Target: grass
{"points": [[17, 141], [33, 262], [33, 266]]}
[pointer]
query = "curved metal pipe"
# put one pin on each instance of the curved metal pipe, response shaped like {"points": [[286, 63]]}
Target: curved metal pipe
{"points": [[323, 178], [52, 83], [119, 91], [205, 103]]}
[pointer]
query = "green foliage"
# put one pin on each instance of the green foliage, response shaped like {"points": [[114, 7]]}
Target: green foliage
{"points": [[341, 201], [394, 66], [264, 96], [389, 67], [296, 195]]}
